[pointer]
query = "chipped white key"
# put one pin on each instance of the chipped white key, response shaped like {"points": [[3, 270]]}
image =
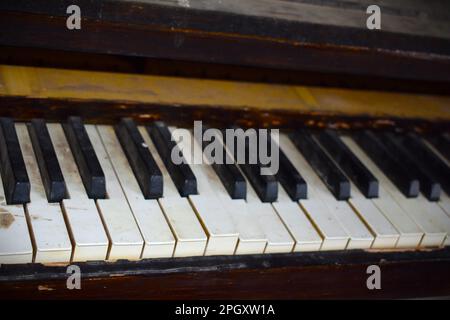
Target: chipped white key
{"points": [[333, 234], [158, 239], [89, 238], [125, 238], [190, 236], [252, 239], [47, 221], [222, 233], [15, 241], [425, 214], [410, 233]]}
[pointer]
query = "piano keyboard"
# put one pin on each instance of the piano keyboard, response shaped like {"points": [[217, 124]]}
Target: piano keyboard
{"points": [[73, 192]]}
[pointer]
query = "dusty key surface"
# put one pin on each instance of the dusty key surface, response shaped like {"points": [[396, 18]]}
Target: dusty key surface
{"points": [[89, 237], [158, 239]]}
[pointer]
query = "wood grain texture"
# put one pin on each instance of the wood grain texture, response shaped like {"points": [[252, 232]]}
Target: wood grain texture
{"points": [[418, 18], [322, 275], [62, 59], [313, 38]]}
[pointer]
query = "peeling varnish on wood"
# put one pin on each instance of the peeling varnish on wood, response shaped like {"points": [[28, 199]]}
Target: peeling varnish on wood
{"points": [[56, 264], [45, 288]]}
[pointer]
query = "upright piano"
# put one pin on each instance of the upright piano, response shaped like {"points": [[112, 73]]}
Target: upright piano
{"points": [[91, 117]]}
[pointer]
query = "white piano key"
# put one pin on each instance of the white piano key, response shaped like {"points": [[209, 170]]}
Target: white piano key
{"points": [[89, 238], [125, 238], [158, 239], [410, 233], [190, 236], [222, 232], [252, 239], [422, 212], [430, 217], [438, 216], [50, 234], [278, 237], [444, 203], [15, 240], [302, 230], [360, 236], [305, 235], [335, 237], [386, 236]]}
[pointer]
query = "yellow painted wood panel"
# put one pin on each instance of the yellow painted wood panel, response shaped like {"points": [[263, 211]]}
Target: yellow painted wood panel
{"points": [[381, 103], [55, 83], [35, 82]]}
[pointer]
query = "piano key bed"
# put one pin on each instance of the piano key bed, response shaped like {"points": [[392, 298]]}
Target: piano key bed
{"points": [[111, 197]]}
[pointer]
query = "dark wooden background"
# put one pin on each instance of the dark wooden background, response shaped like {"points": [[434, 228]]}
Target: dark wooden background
{"points": [[316, 275], [326, 36]]}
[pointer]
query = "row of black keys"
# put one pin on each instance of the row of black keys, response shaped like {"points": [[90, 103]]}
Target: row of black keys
{"points": [[411, 165]]}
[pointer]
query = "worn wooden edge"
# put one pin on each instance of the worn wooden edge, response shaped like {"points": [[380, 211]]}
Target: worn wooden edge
{"points": [[123, 90], [48, 58], [110, 112], [37, 271], [340, 274], [332, 50], [220, 23]]}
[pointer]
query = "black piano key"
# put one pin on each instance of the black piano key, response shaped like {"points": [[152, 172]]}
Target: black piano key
{"points": [[427, 158], [141, 161], [429, 185], [441, 143], [181, 174], [232, 179], [289, 177], [52, 177], [326, 169], [84, 154], [16, 184], [228, 173], [349, 163], [265, 186], [405, 181]]}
